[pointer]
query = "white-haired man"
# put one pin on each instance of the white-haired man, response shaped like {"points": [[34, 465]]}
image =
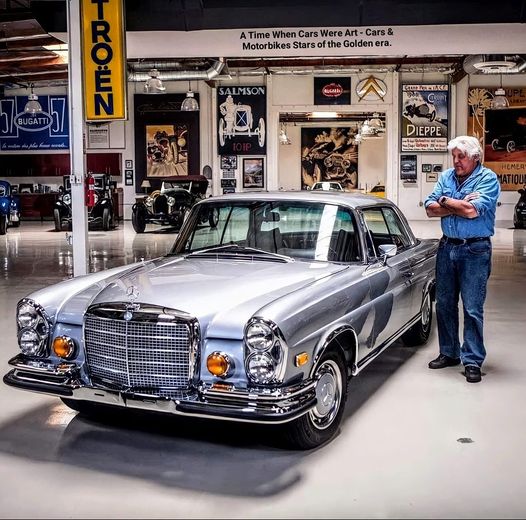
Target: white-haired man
{"points": [[465, 197]]}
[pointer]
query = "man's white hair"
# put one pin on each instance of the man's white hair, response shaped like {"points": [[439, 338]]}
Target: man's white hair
{"points": [[468, 145]]}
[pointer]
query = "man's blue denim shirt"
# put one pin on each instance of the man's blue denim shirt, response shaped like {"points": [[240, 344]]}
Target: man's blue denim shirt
{"points": [[486, 183]]}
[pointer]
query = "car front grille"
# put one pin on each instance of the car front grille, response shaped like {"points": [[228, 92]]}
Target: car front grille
{"points": [[151, 352], [160, 204]]}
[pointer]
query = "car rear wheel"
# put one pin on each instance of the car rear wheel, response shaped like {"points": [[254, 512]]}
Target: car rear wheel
{"points": [[3, 224], [321, 423], [138, 221], [58, 222], [419, 333], [106, 219]]}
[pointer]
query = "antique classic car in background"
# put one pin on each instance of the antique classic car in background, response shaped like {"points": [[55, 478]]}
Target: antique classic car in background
{"points": [[9, 208], [169, 205], [102, 214], [262, 317], [519, 212]]}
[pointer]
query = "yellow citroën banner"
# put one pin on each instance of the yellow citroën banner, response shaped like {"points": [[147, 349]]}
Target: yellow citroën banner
{"points": [[104, 59]]}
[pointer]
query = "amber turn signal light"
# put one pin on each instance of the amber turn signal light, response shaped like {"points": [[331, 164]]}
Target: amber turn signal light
{"points": [[301, 359], [218, 364], [63, 347]]}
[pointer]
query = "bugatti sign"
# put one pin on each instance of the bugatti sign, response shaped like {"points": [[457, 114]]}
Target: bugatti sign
{"points": [[46, 130], [33, 122], [332, 91]]}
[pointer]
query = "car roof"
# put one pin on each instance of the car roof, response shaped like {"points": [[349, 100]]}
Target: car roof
{"points": [[353, 200]]}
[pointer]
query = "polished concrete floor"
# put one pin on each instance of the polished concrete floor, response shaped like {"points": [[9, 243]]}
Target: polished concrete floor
{"points": [[415, 443]]}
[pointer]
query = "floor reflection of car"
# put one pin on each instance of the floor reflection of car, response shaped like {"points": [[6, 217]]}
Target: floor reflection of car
{"points": [[519, 213], [101, 215], [377, 191], [262, 317], [327, 186], [9, 207]]}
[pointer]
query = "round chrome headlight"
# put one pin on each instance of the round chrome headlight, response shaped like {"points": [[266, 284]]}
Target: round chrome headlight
{"points": [[261, 368], [259, 336], [66, 199], [27, 316], [170, 201], [30, 342], [148, 201]]}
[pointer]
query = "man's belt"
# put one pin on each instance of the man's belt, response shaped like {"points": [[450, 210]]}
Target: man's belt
{"points": [[461, 241]]}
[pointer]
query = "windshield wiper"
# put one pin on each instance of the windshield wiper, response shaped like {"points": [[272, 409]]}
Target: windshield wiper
{"points": [[237, 250]]}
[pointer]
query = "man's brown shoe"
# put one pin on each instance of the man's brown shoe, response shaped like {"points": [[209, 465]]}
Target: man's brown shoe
{"points": [[443, 361]]}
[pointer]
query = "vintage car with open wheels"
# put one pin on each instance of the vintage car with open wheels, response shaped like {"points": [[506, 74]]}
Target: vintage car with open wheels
{"points": [[170, 205], [263, 317], [101, 215], [9, 207]]}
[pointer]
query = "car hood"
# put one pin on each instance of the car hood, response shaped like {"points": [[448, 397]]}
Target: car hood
{"points": [[221, 294]]}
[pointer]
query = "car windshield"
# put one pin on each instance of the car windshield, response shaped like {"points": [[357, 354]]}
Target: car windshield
{"points": [[300, 230]]}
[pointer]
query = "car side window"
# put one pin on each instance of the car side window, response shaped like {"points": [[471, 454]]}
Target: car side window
{"points": [[385, 227]]}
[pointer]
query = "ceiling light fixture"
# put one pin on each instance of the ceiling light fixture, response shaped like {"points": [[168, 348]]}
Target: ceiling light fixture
{"points": [[376, 123], [153, 84], [32, 106], [327, 115], [500, 100], [189, 103]]}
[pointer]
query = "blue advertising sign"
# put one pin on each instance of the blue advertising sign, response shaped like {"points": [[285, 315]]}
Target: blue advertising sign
{"points": [[46, 130]]}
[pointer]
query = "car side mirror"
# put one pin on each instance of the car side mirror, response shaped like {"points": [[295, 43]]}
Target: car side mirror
{"points": [[387, 251]]}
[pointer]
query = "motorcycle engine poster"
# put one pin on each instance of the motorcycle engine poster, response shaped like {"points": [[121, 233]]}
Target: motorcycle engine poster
{"points": [[241, 114], [425, 110]]}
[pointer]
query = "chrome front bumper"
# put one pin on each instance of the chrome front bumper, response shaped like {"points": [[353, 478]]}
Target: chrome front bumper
{"points": [[223, 401]]}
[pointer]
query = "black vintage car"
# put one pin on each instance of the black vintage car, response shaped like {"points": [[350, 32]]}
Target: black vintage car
{"points": [[169, 205], [102, 214], [519, 214]]}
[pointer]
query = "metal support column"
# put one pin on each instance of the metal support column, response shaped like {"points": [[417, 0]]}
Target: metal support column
{"points": [[76, 130]]}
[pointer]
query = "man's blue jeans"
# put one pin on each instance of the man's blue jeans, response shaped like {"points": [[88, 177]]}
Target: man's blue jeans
{"points": [[462, 269]]}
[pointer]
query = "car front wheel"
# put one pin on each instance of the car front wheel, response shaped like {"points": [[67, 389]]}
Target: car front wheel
{"points": [[138, 221], [58, 221], [106, 219], [321, 423], [3, 224]]}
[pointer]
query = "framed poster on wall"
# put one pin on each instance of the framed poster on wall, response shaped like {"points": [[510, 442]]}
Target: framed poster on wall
{"points": [[241, 114], [166, 139], [253, 173], [425, 117], [408, 168], [328, 155]]}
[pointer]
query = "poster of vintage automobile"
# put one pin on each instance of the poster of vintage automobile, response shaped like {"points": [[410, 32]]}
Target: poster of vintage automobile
{"points": [[166, 150], [425, 117], [328, 154], [241, 114], [506, 158], [505, 146]]}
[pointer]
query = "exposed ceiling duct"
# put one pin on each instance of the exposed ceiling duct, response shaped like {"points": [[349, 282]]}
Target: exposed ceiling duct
{"points": [[167, 71], [494, 64]]}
